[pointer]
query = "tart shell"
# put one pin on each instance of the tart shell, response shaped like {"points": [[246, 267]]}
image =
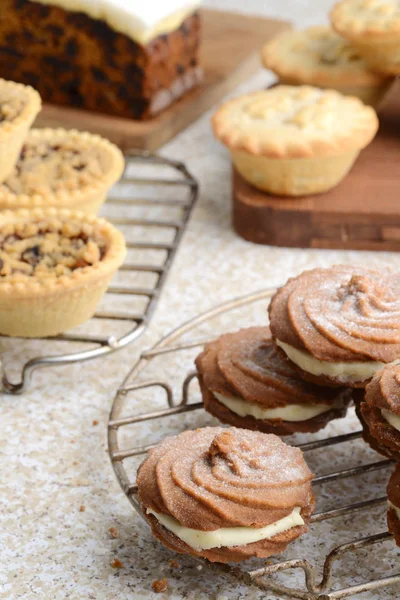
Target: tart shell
{"points": [[88, 199], [41, 308], [13, 133]]}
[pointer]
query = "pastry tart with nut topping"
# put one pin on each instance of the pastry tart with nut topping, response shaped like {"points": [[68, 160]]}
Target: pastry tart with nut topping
{"points": [[19, 106], [64, 169], [293, 141], [319, 56], [373, 26], [55, 267]]}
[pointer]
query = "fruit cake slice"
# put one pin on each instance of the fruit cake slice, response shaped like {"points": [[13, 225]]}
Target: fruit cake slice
{"points": [[109, 56]]}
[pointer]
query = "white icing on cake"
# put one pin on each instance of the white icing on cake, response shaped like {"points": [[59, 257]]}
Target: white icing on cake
{"points": [[140, 20], [227, 537]]}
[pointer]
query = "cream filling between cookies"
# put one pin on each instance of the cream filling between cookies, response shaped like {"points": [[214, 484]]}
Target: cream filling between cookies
{"points": [[291, 413], [343, 371], [395, 508], [391, 418], [227, 537]]}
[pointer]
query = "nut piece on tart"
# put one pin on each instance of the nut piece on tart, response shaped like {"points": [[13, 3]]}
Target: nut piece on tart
{"points": [[245, 383], [226, 494], [19, 106], [63, 169], [55, 266]]}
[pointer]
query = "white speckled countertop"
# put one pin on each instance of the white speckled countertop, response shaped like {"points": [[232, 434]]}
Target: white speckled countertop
{"points": [[53, 438]]}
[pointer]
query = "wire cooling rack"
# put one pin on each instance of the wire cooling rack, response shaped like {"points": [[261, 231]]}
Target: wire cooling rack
{"points": [[177, 407], [152, 208]]}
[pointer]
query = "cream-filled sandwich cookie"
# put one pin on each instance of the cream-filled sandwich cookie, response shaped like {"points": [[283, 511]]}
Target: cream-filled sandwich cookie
{"points": [[294, 141], [226, 494], [379, 412], [321, 57], [245, 383], [393, 511], [338, 326]]}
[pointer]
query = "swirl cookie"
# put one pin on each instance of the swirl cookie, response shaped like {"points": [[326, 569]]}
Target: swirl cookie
{"points": [[19, 107], [245, 383], [393, 513], [55, 266], [319, 56], [293, 141], [373, 26], [63, 169], [379, 412], [226, 494], [338, 326]]}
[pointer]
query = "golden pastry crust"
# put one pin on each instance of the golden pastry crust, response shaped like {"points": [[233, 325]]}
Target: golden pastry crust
{"points": [[369, 19], [19, 105], [295, 122], [55, 267], [64, 169], [318, 56]]}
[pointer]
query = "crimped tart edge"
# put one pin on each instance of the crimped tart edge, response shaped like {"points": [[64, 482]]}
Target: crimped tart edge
{"points": [[317, 76], [105, 268], [359, 136], [354, 32], [66, 198], [30, 110]]}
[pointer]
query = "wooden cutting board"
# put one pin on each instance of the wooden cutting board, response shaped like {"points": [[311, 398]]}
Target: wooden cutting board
{"points": [[229, 55], [362, 213]]}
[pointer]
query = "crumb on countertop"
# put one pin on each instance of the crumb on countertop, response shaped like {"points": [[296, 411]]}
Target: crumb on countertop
{"points": [[114, 533], [82, 508], [160, 585], [95, 422], [173, 563], [117, 564]]}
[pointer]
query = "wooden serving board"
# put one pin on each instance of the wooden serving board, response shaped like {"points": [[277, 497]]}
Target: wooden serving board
{"points": [[229, 55], [362, 213]]}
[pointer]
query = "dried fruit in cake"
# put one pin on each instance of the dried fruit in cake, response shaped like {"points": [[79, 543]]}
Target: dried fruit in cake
{"points": [[379, 412], [226, 494], [373, 26], [393, 512], [340, 325], [293, 141], [63, 169], [19, 106], [245, 383], [130, 59], [55, 266], [321, 57]]}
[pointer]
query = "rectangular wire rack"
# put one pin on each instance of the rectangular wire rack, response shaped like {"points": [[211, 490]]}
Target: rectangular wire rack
{"points": [[319, 584], [152, 209]]}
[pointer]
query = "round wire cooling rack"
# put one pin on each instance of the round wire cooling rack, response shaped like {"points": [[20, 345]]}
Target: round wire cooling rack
{"points": [[353, 532], [153, 209]]}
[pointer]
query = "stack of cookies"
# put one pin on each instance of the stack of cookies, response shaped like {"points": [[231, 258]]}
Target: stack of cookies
{"points": [[303, 136], [56, 256], [228, 494], [334, 335]]}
